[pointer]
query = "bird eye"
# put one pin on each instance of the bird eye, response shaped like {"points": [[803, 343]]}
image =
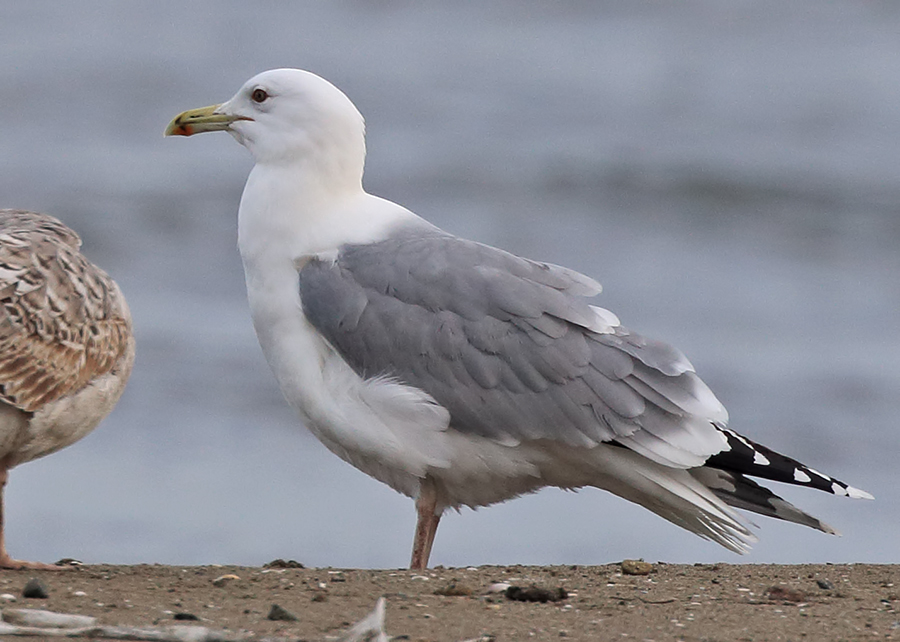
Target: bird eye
{"points": [[259, 95]]}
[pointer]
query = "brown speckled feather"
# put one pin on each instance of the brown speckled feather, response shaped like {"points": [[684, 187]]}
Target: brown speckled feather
{"points": [[63, 321]]}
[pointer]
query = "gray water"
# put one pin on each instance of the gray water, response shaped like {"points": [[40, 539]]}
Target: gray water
{"points": [[728, 170]]}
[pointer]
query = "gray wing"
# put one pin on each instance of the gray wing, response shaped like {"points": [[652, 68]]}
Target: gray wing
{"points": [[510, 347]]}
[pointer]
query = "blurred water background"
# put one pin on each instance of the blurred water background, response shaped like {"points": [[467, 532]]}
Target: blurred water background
{"points": [[727, 169]]}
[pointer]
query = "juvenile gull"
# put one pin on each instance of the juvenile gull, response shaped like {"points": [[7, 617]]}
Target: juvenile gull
{"points": [[455, 372], [66, 347]]}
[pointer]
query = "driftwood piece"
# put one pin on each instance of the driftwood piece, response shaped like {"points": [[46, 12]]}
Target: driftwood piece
{"points": [[47, 624], [46, 619]]}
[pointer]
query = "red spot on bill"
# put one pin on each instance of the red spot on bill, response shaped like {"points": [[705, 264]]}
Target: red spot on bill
{"points": [[181, 130]]}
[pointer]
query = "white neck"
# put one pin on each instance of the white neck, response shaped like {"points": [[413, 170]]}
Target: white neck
{"points": [[286, 214], [285, 218]]}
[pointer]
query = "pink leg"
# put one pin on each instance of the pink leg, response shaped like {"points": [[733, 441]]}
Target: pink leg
{"points": [[5, 560], [426, 525]]}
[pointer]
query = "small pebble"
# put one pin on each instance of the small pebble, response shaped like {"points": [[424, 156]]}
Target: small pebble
{"points": [[185, 616], [222, 580], [535, 594], [35, 588], [454, 589], [280, 613], [280, 563], [636, 567], [498, 587], [825, 585], [8, 597]]}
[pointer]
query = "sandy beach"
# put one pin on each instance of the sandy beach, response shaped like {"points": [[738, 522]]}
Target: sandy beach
{"points": [[672, 602]]}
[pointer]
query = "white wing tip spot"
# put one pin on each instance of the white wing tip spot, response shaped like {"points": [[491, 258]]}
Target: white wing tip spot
{"points": [[803, 478], [760, 460], [856, 493]]}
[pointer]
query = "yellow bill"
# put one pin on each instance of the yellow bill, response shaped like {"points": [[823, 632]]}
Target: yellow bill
{"points": [[197, 121]]}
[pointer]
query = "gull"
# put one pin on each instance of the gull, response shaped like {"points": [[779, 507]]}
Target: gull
{"points": [[454, 372], [66, 345]]}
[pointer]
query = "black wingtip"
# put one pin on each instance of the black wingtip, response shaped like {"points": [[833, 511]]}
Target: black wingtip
{"points": [[749, 458]]}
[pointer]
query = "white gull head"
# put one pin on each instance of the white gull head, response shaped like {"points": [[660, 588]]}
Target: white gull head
{"points": [[290, 115]]}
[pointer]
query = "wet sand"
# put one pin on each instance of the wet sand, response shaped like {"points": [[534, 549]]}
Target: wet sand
{"points": [[673, 602]]}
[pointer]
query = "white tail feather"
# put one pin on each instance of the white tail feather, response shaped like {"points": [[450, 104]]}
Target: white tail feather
{"points": [[671, 493]]}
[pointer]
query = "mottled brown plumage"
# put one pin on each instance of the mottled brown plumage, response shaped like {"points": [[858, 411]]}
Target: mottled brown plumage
{"points": [[66, 345]]}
